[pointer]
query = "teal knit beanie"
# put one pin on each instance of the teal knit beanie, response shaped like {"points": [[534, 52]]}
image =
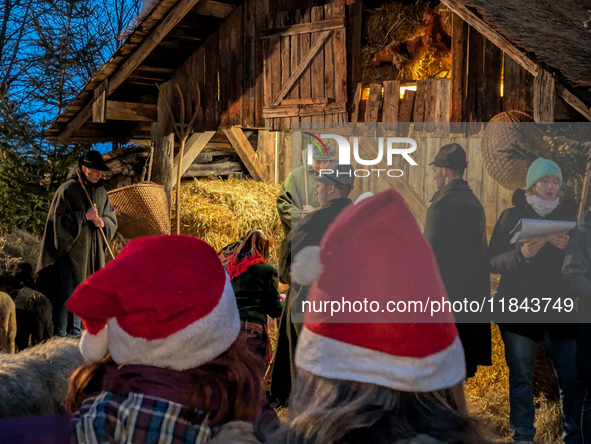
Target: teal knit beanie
{"points": [[542, 167]]}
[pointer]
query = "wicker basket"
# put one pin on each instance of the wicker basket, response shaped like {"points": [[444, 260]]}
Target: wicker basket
{"points": [[142, 210], [500, 135]]}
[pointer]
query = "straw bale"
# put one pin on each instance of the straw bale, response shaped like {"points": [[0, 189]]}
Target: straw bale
{"points": [[20, 245], [397, 22], [222, 211]]}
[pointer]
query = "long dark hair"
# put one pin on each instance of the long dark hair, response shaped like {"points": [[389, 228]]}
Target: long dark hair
{"points": [[233, 379], [255, 241], [330, 411]]}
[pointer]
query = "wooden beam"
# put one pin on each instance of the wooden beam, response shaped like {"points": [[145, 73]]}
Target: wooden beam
{"points": [[214, 9], [138, 56], [136, 112], [212, 169], [302, 66], [574, 101], [481, 26], [316, 101], [99, 104], [274, 112], [244, 149], [193, 147], [415, 203], [544, 97], [304, 28]]}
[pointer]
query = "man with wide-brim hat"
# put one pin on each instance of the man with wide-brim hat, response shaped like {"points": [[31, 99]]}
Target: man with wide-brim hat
{"points": [[456, 229], [72, 247], [332, 187]]}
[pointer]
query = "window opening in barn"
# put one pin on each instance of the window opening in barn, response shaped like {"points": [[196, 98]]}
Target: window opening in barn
{"points": [[407, 87]]}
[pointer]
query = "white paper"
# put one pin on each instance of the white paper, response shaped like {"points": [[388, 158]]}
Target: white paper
{"points": [[539, 228]]}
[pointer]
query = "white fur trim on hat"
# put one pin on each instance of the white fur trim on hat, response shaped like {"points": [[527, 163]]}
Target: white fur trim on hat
{"points": [[364, 196], [94, 347], [191, 347], [307, 267], [323, 356]]}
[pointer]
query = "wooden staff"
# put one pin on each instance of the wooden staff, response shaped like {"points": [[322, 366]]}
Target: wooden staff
{"points": [[94, 206], [585, 189], [305, 175]]}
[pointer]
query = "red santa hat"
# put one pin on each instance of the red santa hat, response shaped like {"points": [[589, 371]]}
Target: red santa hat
{"points": [[374, 250], [166, 301]]}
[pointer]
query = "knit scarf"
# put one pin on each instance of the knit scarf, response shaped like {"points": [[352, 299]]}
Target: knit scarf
{"points": [[541, 206], [235, 269]]}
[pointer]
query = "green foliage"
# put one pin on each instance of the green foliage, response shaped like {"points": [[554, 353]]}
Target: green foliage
{"points": [[30, 172], [569, 146]]}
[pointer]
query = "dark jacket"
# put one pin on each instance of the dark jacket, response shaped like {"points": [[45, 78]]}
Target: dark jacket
{"points": [[456, 229], [309, 232], [256, 293], [577, 278], [537, 277], [69, 239]]}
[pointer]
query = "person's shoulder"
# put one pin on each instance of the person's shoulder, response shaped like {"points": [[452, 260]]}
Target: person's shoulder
{"points": [[266, 267]]}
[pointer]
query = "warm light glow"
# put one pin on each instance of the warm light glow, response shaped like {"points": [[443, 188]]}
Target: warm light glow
{"points": [[365, 94], [407, 88], [503, 76]]}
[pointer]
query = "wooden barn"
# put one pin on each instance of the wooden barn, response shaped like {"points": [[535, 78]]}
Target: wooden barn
{"points": [[258, 66]]}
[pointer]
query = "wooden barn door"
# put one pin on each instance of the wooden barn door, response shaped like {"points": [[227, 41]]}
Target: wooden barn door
{"points": [[305, 67]]}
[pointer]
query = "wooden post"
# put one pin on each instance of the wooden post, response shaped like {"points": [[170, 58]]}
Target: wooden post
{"points": [[544, 97], [161, 165], [458, 68], [585, 190]]}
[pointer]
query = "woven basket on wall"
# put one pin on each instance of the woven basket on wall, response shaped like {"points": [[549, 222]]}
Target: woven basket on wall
{"points": [[142, 210], [500, 135]]}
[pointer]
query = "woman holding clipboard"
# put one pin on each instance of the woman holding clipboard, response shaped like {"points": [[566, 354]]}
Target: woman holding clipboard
{"points": [[532, 269]]}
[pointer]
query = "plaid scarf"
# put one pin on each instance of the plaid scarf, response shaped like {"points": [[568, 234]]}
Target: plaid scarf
{"points": [[235, 269]]}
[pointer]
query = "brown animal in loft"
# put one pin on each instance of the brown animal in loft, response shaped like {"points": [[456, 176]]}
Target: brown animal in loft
{"points": [[400, 53], [435, 41]]}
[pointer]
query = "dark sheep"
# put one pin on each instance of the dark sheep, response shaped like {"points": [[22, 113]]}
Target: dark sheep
{"points": [[35, 381], [33, 318]]}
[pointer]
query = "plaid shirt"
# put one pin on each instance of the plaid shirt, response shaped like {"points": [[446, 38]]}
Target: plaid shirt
{"points": [[137, 419]]}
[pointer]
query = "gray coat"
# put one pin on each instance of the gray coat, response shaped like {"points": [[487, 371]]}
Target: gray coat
{"points": [[72, 247]]}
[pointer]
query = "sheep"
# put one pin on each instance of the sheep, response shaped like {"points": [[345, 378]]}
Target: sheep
{"points": [[33, 318], [7, 323], [35, 381]]}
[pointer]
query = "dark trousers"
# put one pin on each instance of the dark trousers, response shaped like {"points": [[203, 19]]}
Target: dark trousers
{"points": [[520, 354], [64, 322], [586, 423]]}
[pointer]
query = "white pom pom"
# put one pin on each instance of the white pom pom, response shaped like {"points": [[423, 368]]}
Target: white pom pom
{"points": [[306, 267], [94, 347]]}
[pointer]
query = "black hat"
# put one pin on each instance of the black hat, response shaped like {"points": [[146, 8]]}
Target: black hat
{"points": [[451, 156], [335, 175], [94, 159], [322, 155]]}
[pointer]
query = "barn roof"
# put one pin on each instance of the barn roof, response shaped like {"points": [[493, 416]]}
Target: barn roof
{"points": [[163, 39], [551, 31]]}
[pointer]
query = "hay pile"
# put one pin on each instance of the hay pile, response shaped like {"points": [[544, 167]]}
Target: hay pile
{"points": [[222, 211], [397, 22]]}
